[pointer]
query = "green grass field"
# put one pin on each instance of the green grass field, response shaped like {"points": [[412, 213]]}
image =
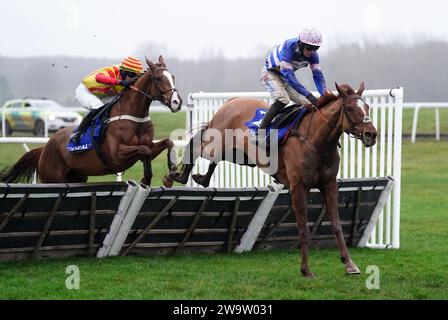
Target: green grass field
{"points": [[418, 270]]}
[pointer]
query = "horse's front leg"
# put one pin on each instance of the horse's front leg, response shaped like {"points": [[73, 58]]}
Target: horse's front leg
{"points": [[204, 180], [157, 148], [133, 153], [147, 172], [125, 153], [330, 194], [299, 197]]}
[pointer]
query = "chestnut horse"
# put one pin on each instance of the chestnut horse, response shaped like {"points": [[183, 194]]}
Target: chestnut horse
{"points": [[309, 158], [129, 137]]}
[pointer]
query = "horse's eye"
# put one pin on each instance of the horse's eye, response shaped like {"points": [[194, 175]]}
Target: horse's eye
{"points": [[349, 109], [158, 78]]}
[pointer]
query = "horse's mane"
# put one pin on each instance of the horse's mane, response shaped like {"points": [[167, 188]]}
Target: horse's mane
{"points": [[330, 96]]}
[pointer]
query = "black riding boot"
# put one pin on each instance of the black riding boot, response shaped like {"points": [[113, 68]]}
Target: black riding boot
{"points": [[76, 136], [273, 110]]}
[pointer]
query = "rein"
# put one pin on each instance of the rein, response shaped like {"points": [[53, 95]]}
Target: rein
{"points": [[160, 98], [366, 119], [359, 133]]}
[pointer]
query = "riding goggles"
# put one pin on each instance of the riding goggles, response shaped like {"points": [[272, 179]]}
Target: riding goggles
{"points": [[311, 48]]}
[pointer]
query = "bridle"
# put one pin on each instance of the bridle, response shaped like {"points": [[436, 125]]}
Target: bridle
{"points": [[161, 97], [355, 131]]}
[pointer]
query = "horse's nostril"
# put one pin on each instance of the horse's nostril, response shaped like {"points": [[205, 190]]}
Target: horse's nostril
{"points": [[370, 135]]}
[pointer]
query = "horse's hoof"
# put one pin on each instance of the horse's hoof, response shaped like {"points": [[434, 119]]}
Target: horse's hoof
{"points": [[167, 182], [307, 274], [198, 178], [145, 182], [351, 268]]}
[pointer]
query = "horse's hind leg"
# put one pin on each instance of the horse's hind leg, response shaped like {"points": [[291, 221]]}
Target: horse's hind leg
{"points": [[74, 177], [204, 180], [193, 151], [52, 168]]}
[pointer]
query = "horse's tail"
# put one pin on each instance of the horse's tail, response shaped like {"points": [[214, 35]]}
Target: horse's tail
{"points": [[200, 127], [190, 152], [23, 170]]}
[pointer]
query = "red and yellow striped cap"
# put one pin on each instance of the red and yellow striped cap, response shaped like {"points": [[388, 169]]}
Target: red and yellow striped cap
{"points": [[132, 64]]}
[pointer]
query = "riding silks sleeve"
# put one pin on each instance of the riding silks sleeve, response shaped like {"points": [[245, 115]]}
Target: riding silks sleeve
{"points": [[287, 70], [102, 78], [318, 76]]}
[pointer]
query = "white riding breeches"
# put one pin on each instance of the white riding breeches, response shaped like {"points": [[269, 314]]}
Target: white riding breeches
{"points": [[88, 100]]}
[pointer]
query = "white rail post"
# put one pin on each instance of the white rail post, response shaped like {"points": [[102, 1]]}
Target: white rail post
{"points": [[437, 125], [376, 216], [414, 123], [398, 132]]}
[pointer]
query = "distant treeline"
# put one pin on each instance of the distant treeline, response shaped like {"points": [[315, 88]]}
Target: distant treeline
{"points": [[420, 68]]}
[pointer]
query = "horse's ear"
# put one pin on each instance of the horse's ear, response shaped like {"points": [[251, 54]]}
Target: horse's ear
{"points": [[161, 61], [342, 93], [361, 89], [151, 65]]}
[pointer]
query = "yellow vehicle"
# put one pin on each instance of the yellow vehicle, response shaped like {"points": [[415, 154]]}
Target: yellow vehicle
{"points": [[31, 115]]}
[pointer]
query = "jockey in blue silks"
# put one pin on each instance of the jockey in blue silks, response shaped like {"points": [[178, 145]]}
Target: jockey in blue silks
{"points": [[278, 75]]}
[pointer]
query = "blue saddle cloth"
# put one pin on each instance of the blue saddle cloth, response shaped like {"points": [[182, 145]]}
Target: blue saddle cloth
{"points": [[86, 143], [283, 122]]}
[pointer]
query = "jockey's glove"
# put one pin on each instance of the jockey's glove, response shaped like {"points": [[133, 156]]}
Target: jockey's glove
{"points": [[127, 83], [311, 98]]}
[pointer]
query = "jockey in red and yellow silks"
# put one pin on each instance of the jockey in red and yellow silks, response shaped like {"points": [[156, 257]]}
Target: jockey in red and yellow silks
{"points": [[104, 82], [102, 85], [107, 82]]}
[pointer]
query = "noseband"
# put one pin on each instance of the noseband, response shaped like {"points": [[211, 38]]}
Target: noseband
{"points": [[355, 131], [161, 97], [365, 120]]}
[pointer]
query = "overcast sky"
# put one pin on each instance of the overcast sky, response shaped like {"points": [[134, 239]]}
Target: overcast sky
{"points": [[190, 28]]}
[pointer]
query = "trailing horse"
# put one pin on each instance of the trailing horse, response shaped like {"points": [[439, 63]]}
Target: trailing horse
{"points": [[309, 157], [129, 137]]}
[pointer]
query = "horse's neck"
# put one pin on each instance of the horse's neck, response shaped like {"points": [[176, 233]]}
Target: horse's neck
{"points": [[325, 136], [134, 103]]}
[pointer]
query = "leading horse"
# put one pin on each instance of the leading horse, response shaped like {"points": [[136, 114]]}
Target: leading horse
{"points": [[129, 137], [308, 159]]}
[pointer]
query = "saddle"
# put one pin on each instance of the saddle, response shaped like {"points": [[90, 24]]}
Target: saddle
{"points": [[288, 118], [95, 132]]}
